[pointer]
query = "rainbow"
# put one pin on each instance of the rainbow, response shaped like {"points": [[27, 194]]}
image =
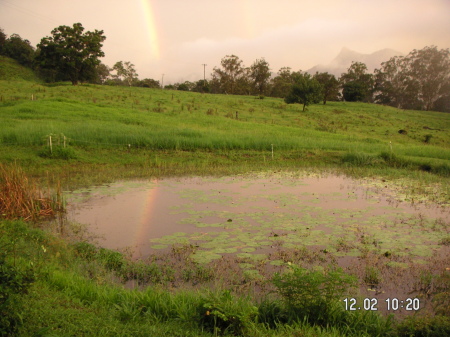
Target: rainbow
{"points": [[142, 233], [150, 23]]}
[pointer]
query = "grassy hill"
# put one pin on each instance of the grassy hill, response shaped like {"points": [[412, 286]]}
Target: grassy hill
{"points": [[11, 70], [101, 133], [152, 132]]}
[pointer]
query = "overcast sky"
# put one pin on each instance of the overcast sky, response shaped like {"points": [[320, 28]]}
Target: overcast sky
{"points": [[175, 37]]}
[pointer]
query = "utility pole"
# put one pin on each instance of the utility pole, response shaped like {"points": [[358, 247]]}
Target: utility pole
{"points": [[162, 82], [204, 73]]}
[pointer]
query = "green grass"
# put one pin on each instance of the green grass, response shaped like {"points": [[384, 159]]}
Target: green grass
{"points": [[121, 132], [68, 293], [11, 70]]}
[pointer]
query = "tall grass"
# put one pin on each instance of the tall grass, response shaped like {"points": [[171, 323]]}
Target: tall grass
{"points": [[21, 198], [101, 116]]}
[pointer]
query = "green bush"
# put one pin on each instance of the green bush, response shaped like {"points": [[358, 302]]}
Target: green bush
{"points": [[13, 283], [112, 260], [311, 294], [225, 314], [58, 152], [316, 297], [437, 326], [85, 250]]}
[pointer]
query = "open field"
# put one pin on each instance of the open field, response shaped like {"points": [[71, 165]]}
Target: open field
{"points": [[58, 283]]}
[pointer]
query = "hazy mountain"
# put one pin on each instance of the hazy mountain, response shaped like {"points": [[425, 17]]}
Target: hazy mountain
{"points": [[342, 62]]}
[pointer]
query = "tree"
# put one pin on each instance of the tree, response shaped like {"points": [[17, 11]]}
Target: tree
{"points": [[185, 86], [125, 70], [244, 83], [357, 84], [260, 74], [2, 40], [102, 73], [230, 73], [19, 49], [428, 71], [354, 91], [330, 86], [418, 81], [149, 83], [390, 83], [305, 90], [71, 53], [282, 83], [201, 86]]}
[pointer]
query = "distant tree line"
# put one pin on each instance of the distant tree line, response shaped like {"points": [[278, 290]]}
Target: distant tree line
{"points": [[420, 80]]}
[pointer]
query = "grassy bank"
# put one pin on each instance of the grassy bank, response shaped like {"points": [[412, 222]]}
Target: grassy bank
{"points": [[56, 286]]}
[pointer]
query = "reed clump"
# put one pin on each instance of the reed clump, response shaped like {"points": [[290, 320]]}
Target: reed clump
{"points": [[21, 198]]}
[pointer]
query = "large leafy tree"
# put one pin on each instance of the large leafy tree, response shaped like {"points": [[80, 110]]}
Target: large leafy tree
{"points": [[2, 40], [71, 53], [330, 86], [149, 83], [419, 80], [357, 83], [19, 49], [201, 86], [282, 83], [390, 83], [102, 72], [306, 90], [428, 71], [228, 76], [260, 74], [126, 71]]}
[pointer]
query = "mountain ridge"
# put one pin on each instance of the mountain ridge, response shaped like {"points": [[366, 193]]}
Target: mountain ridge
{"points": [[346, 56]]}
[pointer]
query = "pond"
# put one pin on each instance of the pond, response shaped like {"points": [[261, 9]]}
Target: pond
{"points": [[251, 214], [253, 225]]}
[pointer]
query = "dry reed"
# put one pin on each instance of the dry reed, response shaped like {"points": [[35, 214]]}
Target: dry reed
{"points": [[22, 198]]}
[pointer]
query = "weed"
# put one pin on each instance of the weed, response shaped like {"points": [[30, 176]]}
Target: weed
{"points": [[20, 198], [359, 159], [13, 283], [225, 314], [64, 153], [372, 276], [311, 294], [445, 241], [426, 326]]}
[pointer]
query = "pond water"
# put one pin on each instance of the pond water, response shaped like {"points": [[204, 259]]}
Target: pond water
{"points": [[251, 214]]}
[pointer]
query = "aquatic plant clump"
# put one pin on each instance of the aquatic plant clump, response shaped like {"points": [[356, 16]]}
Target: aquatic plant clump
{"points": [[21, 198]]}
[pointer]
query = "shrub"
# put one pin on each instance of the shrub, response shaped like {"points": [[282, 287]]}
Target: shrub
{"points": [[223, 313], [437, 326], [312, 294], [111, 260], [13, 283], [85, 250], [58, 152]]}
